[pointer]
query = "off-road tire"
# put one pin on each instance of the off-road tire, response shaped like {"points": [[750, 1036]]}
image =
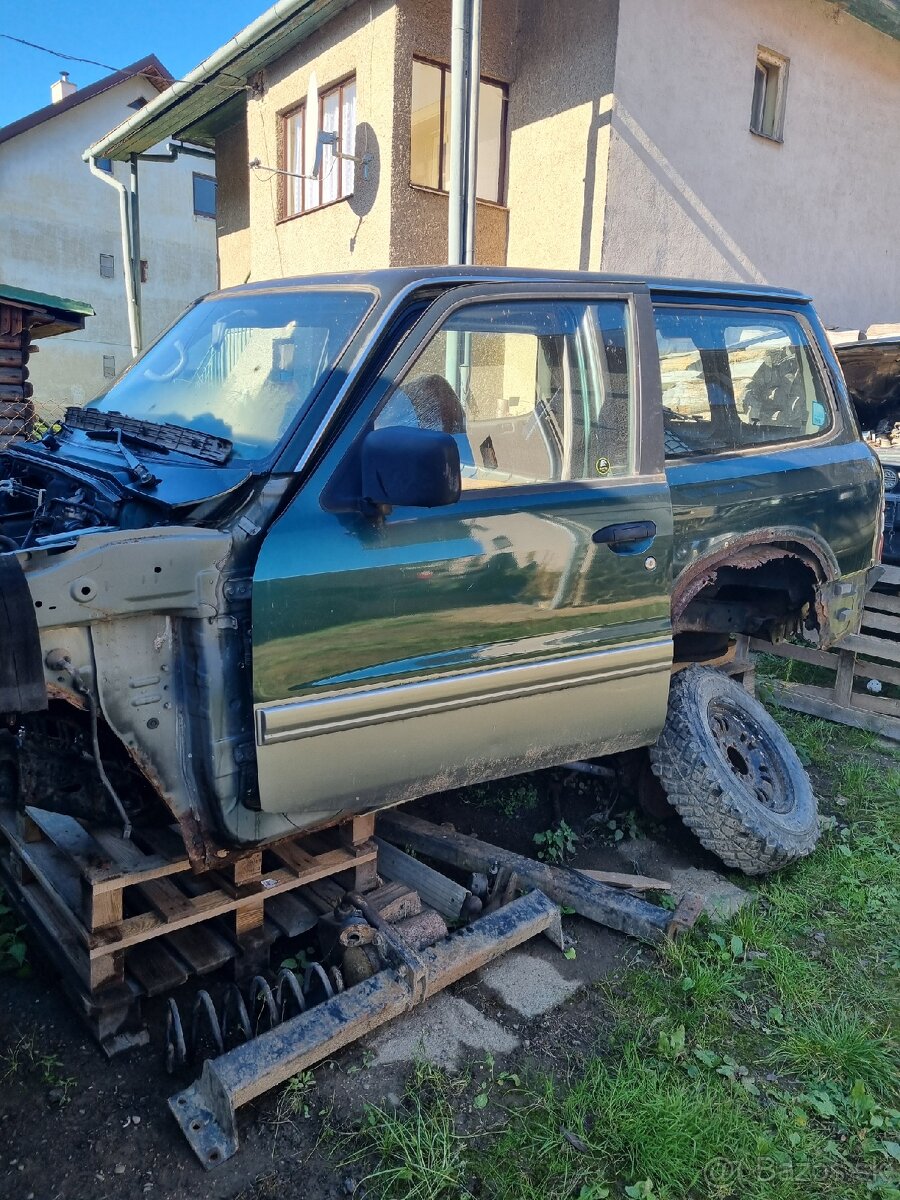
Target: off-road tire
{"points": [[732, 776]]}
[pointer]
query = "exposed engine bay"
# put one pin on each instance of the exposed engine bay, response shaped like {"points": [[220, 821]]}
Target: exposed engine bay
{"points": [[36, 502]]}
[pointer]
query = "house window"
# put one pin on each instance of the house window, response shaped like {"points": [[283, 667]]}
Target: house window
{"points": [[204, 195], [769, 92], [109, 366], [105, 164], [430, 132], [137, 104], [337, 114], [107, 266]]}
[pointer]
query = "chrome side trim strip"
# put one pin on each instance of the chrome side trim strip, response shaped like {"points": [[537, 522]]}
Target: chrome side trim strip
{"points": [[288, 720]]}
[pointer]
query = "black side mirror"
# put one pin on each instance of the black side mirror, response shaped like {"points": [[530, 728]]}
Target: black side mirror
{"points": [[413, 467]]}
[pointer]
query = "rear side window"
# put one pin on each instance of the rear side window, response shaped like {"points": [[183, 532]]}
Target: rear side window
{"points": [[734, 380]]}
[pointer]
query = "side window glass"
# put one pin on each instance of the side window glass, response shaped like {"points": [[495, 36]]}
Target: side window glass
{"points": [[732, 380], [533, 392]]}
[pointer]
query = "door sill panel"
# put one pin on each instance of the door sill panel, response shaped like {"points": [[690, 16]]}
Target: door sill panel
{"points": [[391, 744]]}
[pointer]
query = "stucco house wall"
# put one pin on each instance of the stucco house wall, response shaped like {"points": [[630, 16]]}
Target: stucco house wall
{"points": [[559, 115], [419, 214], [352, 234], [692, 192], [65, 219], [233, 204], [628, 147]]}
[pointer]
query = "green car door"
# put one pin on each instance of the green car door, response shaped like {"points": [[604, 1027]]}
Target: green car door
{"points": [[400, 649]]}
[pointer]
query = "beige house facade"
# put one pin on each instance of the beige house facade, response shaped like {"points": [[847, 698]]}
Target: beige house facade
{"points": [[736, 139]]}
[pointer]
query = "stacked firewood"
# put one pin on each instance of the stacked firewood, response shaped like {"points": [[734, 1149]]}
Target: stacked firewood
{"points": [[17, 414]]}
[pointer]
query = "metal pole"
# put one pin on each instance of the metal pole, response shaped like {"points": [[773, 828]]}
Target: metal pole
{"points": [[135, 264], [474, 88], [458, 132], [125, 223]]}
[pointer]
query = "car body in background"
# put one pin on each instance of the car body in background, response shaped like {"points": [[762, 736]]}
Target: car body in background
{"points": [[872, 371]]}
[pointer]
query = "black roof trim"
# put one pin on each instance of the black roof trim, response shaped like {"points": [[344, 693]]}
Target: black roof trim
{"points": [[395, 278]]}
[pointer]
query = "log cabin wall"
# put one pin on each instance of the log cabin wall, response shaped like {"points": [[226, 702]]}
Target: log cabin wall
{"points": [[16, 407]]}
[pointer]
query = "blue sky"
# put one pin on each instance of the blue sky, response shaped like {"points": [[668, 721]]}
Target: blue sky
{"points": [[179, 32]]}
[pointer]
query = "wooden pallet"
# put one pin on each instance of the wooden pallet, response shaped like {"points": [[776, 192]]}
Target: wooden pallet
{"points": [[128, 918], [873, 653]]}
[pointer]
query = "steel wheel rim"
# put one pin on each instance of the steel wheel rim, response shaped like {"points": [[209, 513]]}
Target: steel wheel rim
{"points": [[751, 756]]}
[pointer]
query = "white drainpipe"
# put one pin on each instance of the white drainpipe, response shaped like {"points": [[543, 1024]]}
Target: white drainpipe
{"points": [[134, 324]]}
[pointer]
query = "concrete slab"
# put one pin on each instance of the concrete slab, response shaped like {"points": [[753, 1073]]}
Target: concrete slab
{"points": [[444, 1031], [721, 899], [528, 984]]}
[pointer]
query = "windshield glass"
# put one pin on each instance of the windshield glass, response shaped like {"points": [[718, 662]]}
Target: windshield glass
{"points": [[240, 367]]}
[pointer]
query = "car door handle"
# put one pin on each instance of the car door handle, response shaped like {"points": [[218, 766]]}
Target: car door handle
{"points": [[624, 534]]}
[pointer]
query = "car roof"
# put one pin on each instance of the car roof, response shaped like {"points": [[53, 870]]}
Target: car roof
{"points": [[397, 279], [889, 341]]}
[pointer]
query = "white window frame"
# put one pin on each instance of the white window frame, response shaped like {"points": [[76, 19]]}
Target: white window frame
{"points": [[776, 67]]}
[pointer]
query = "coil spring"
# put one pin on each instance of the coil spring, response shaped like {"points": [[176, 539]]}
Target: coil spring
{"points": [[211, 1032]]}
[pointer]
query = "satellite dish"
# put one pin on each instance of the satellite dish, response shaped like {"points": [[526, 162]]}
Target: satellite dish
{"points": [[311, 127]]}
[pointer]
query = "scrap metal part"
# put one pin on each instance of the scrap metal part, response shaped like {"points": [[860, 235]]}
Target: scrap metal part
{"points": [[596, 901], [207, 1111]]}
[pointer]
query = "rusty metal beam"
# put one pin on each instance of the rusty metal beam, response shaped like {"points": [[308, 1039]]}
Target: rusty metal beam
{"points": [[596, 901], [207, 1111]]}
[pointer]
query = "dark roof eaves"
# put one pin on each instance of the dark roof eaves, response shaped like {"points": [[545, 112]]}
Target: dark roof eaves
{"points": [[144, 66]]}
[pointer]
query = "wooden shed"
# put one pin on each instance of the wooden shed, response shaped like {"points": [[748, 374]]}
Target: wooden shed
{"points": [[25, 317]]}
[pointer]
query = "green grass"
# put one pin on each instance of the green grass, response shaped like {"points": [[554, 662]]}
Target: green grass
{"points": [[758, 1059]]}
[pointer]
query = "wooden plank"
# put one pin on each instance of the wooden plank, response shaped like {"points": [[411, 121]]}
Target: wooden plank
{"points": [[394, 901], [51, 867], [246, 873], [88, 856], [829, 660], [877, 620], [358, 829], [890, 575], [800, 699], [883, 602], [843, 684], [444, 895], [132, 864], [164, 840], [247, 869], [201, 947], [324, 895], [143, 926], [805, 654], [154, 968], [862, 700], [291, 915], [869, 670], [872, 647], [100, 908], [43, 914], [166, 899], [640, 883], [298, 859]]}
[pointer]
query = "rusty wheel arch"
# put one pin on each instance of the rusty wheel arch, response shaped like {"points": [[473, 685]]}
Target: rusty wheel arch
{"points": [[754, 550]]}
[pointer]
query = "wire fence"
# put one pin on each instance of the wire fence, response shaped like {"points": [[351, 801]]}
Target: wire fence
{"points": [[24, 420]]}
